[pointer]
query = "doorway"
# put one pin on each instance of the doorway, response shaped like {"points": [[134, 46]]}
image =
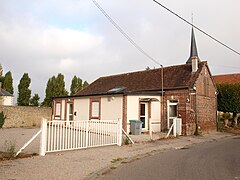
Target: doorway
{"points": [[144, 115], [69, 114], [172, 112]]}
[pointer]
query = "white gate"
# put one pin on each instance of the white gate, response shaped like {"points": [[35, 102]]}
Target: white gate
{"points": [[71, 135]]}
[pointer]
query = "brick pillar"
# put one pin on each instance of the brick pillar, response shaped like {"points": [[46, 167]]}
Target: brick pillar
{"points": [[124, 115]]}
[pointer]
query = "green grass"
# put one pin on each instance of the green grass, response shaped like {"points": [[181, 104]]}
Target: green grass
{"points": [[116, 160]]}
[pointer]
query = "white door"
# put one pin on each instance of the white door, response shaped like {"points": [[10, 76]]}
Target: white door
{"points": [[144, 115], [69, 115], [172, 112]]}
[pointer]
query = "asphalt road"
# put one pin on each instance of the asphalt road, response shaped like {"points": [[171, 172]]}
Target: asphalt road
{"points": [[218, 160]]}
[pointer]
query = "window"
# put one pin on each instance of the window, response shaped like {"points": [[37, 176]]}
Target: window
{"points": [[58, 109], [95, 107], [173, 110]]}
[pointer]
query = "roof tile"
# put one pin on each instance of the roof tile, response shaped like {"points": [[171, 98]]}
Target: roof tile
{"points": [[179, 76], [227, 78]]}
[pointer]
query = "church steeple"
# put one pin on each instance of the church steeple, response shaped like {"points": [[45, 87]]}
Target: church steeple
{"points": [[193, 49]]}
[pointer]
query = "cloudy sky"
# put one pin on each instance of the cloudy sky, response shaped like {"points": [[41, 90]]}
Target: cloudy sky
{"points": [[46, 37]]}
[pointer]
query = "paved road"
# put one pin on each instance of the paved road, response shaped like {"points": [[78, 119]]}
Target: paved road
{"points": [[218, 160]]}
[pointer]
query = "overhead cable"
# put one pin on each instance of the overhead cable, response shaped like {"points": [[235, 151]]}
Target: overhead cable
{"points": [[125, 34], [228, 47]]}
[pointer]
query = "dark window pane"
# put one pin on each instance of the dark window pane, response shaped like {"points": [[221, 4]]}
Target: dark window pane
{"points": [[142, 109], [70, 108], [143, 121], [173, 111]]}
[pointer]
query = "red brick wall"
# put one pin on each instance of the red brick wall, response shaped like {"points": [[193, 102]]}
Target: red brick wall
{"points": [[183, 106], [124, 116], [206, 105]]}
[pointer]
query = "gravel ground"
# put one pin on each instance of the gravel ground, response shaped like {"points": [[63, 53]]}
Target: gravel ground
{"points": [[18, 137], [85, 163]]}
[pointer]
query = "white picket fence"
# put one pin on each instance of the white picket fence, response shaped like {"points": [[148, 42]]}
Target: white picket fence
{"points": [[70, 135]]}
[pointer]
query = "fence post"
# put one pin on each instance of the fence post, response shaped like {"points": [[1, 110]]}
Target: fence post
{"points": [[119, 141], [87, 124], [175, 127], [43, 138], [150, 129]]}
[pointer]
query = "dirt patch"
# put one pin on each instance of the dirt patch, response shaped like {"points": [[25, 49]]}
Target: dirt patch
{"points": [[5, 156], [233, 130]]}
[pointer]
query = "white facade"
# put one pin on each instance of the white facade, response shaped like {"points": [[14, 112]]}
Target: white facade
{"points": [[112, 107], [152, 110], [81, 107], [138, 107], [7, 100]]}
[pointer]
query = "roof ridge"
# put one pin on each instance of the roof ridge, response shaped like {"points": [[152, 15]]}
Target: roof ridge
{"points": [[226, 74], [140, 71]]}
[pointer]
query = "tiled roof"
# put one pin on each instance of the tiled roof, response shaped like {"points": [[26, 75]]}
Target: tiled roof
{"points": [[227, 78], [179, 76], [4, 93]]}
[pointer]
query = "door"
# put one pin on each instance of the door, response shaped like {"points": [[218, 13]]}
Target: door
{"points": [[144, 115], [69, 112], [172, 112]]}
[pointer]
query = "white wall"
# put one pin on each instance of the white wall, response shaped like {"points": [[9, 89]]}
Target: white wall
{"points": [[8, 100], [111, 107], [133, 111], [81, 106], [156, 116]]}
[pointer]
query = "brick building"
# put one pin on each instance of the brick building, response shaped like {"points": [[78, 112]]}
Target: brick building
{"points": [[184, 91]]}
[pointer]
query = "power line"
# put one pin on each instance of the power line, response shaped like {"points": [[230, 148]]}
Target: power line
{"points": [[125, 34], [197, 27]]}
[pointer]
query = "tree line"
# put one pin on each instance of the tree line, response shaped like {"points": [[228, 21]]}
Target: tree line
{"points": [[55, 88], [229, 98]]}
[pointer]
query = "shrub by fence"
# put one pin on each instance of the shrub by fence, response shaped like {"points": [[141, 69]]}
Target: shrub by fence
{"points": [[2, 119]]}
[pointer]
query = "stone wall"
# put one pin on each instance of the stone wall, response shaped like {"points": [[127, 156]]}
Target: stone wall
{"points": [[22, 116]]}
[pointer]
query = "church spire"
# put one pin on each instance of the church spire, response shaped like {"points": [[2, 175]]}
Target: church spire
{"points": [[193, 49]]}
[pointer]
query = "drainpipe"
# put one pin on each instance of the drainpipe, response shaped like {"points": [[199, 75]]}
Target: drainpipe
{"points": [[216, 93], [196, 110], [196, 113], [162, 98]]}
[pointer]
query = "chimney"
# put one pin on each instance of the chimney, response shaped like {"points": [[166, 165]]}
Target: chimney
{"points": [[194, 64]]}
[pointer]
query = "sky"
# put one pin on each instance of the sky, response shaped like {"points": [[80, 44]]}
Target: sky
{"points": [[72, 37]]}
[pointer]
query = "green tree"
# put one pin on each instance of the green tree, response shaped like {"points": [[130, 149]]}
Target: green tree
{"points": [[229, 98], [34, 101], [1, 83], [2, 119], [8, 82], [1, 70], [49, 92], [1, 76], [55, 88], [24, 93], [76, 85], [60, 86], [85, 84]]}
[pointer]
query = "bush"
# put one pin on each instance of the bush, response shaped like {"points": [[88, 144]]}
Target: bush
{"points": [[226, 115], [2, 119], [10, 148]]}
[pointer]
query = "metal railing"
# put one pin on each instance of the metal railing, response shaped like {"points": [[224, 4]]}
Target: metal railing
{"points": [[71, 135]]}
